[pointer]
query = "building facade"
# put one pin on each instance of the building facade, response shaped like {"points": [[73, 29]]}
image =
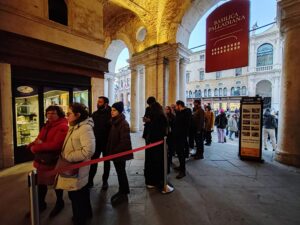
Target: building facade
{"points": [[122, 86], [224, 89]]}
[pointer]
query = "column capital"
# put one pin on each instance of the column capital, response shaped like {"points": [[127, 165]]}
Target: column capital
{"points": [[288, 14], [109, 75]]}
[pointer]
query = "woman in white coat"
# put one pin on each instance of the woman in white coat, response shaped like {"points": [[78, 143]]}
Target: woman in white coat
{"points": [[79, 146]]}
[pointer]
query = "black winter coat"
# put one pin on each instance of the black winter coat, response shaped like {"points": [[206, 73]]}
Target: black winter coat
{"points": [[102, 124], [221, 121], [119, 138]]}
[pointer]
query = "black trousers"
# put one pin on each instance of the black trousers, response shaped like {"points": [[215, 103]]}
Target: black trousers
{"points": [[199, 143], [93, 168], [208, 136], [122, 176], [81, 204], [180, 150], [42, 192]]}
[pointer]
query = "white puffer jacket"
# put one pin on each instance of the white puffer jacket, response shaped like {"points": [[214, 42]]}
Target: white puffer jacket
{"points": [[79, 146]]}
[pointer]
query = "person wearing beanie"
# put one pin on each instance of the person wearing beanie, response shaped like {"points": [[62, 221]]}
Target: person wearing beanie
{"points": [[119, 106], [119, 141]]}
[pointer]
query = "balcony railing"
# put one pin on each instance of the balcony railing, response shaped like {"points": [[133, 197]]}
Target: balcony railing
{"points": [[264, 68]]}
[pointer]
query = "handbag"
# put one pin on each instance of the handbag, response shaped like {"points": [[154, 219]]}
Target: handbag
{"points": [[62, 163], [47, 158]]}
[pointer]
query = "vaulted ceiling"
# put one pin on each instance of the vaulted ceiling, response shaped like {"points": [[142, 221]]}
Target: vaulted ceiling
{"points": [[160, 18]]}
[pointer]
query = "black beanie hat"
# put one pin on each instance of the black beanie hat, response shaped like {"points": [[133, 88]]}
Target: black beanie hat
{"points": [[118, 106]]}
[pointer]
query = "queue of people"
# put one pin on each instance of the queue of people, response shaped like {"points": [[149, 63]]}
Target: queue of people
{"points": [[80, 138]]}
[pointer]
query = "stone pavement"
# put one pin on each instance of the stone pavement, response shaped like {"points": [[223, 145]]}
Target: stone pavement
{"points": [[218, 190]]}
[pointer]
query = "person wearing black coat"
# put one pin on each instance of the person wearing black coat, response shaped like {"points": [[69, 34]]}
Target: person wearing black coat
{"points": [[154, 157], [181, 128], [221, 123], [102, 124], [119, 141]]}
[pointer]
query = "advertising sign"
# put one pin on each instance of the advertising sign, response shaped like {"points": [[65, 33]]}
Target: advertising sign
{"points": [[227, 36], [251, 128]]}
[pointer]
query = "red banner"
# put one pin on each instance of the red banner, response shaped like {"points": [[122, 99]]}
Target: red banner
{"points": [[227, 36]]}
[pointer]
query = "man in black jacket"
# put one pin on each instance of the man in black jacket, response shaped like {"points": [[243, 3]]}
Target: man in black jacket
{"points": [[181, 128], [102, 121]]}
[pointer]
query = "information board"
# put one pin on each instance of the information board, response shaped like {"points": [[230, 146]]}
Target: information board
{"points": [[251, 128]]}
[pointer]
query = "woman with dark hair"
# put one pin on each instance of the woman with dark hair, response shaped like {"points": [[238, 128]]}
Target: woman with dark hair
{"points": [[119, 141], [79, 146], [154, 157], [46, 149]]}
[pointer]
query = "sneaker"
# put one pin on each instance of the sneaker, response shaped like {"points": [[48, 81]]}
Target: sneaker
{"points": [[150, 186], [56, 210], [207, 144], [273, 150], [180, 175], [104, 186], [266, 149]]}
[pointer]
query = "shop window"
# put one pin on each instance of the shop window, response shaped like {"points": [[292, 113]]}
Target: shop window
{"points": [[200, 94], [220, 91], [205, 93], [264, 55], [81, 96], [27, 114], [54, 96], [58, 11]]}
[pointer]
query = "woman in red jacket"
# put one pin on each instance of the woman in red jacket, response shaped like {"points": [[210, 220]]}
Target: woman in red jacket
{"points": [[46, 149]]}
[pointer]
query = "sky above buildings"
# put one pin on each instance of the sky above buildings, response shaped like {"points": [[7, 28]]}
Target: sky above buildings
{"points": [[262, 12]]}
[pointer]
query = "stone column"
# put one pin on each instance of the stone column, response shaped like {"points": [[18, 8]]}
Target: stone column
{"points": [[182, 78], [97, 90], [151, 78], [134, 99], [173, 80], [142, 101], [110, 87], [288, 151], [6, 118]]}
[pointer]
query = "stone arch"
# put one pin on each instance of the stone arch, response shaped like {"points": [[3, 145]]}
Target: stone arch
{"points": [[264, 88], [191, 17], [114, 49]]}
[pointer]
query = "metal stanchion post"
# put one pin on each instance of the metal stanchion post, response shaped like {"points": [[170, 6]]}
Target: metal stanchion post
{"points": [[33, 194], [167, 188]]}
